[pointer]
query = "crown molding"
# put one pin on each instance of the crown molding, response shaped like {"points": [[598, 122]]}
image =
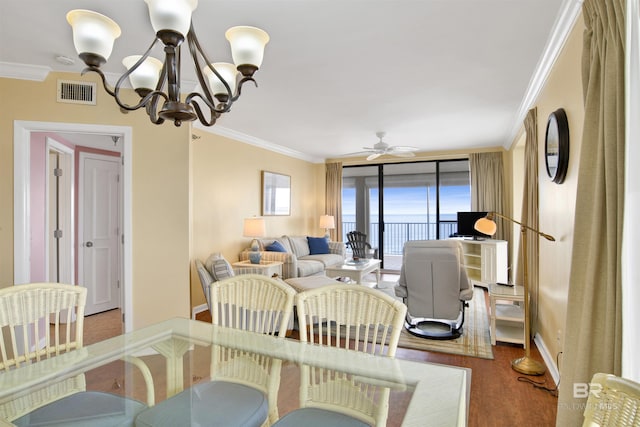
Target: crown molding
{"points": [[257, 142], [569, 12], [11, 70]]}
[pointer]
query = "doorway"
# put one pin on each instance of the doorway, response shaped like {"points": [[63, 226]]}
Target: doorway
{"points": [[23, 132]]}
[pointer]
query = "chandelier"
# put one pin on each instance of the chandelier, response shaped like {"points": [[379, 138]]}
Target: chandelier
{"points": [[221, 82]]}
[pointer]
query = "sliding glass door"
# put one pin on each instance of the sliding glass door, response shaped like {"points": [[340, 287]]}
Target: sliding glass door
{"points": [[395, 203]]}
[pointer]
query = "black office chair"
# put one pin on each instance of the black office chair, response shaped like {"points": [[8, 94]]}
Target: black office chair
{"points": [[357, 241]]}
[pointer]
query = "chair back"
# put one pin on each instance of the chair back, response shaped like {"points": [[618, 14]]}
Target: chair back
{"points": [[256, 303], [368, 319], [434, 279], [357, 241], [357, 318], [252, 302], [40, 320], [613, 401]]}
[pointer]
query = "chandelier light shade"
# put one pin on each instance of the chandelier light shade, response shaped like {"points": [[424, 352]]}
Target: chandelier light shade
{"points": [[158, 82], [146, 76], [93, 34], [171, 15]]}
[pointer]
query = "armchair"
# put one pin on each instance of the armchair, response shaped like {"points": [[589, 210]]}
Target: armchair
{"points": [[357, 241], [434, 285]]}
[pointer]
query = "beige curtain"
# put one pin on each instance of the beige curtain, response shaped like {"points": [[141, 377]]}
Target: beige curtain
{"points": [[594, 319], [530, 215], [488, 189], [333, 197]]}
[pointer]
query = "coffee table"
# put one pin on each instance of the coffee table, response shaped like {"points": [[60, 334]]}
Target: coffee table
{"points": [[355, 270]]}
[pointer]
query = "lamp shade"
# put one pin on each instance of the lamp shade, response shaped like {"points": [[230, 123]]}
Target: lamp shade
{"points": [[146, 75], [174, 15], [486, 226], [247, 45], [327, 222], [227, 71], [254, 227], [93, 32]]}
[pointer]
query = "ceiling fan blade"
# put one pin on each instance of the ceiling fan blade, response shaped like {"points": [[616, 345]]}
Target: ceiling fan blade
{"points": [[402, 154], [403, 148], [374, 156], [357, 153]]}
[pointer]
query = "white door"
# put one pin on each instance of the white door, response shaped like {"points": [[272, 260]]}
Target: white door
{"points": [[60, 228], [99, 231]]}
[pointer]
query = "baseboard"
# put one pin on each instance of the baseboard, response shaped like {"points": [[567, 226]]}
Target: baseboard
{"points": [[198, 309], [549, 360]]}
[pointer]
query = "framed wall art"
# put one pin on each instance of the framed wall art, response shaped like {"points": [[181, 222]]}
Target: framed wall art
{"points": [[276, 194]]}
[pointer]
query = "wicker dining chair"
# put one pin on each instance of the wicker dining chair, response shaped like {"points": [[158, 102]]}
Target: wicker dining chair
{"points": [[353, 317], [43, 320], [613, 401], [243, 387]]}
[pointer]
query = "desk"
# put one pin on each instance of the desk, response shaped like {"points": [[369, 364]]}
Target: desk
{"points": [[176, 352]]}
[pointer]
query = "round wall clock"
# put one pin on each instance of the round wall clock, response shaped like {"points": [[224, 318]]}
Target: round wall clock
{"points": [[556, 146]]}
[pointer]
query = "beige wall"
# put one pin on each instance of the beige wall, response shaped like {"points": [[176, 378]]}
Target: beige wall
{"points": [[160, 218], [563, 89], [226, 186]]}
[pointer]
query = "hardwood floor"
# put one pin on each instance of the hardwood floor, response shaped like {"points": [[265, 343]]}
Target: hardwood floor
{"points": [[499, 396]]}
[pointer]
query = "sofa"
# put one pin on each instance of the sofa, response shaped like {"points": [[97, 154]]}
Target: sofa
{"points": [[301, 256]]}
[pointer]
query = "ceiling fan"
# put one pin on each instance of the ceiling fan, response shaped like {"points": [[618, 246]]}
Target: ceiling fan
{"points": [[381, 148]]}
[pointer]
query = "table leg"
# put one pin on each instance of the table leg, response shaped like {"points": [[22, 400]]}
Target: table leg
{"points": [[173, 350]]}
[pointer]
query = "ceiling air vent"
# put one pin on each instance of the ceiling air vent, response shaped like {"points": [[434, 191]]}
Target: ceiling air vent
{"points": [[76, 92]]}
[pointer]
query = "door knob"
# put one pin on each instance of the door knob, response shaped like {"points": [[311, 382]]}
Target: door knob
{"points": [[89, 244]]}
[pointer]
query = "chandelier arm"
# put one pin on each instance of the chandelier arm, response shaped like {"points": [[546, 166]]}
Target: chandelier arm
{"points": [[154, 97], [152, 106], [240, 83], [214, 113], [196, 43], [123, 78], [93, 69]]}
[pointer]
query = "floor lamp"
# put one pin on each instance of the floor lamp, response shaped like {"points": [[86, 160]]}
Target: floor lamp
{"points": [[525, 365]]}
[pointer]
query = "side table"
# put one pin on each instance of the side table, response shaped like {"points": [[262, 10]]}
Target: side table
{"points": [[266, 268], [507, 313]]}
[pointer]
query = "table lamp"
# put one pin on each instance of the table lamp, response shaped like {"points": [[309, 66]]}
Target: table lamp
{"points": [[525, 365], [254, 227], [328, 223]]}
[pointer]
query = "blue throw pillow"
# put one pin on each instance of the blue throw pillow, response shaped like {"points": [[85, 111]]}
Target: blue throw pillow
{"points": [[275, 247], [318, 245]]}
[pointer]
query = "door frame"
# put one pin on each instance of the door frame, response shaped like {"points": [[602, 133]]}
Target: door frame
{"points": [[21, 207]]}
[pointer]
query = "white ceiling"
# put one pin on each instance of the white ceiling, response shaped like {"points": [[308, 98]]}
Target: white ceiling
{"points": [[435, 74]]}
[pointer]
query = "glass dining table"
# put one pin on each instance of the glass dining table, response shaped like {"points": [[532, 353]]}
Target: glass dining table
{"points": [[178, 354]]}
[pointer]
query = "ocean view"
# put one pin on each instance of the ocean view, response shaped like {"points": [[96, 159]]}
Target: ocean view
{"points": [[402, 228], [405, 218]]}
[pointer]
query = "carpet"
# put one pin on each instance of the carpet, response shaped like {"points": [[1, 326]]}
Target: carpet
{"points": [[475, 340]]}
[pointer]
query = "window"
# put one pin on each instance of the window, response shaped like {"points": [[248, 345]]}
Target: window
{"points": [[418, 201]]}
